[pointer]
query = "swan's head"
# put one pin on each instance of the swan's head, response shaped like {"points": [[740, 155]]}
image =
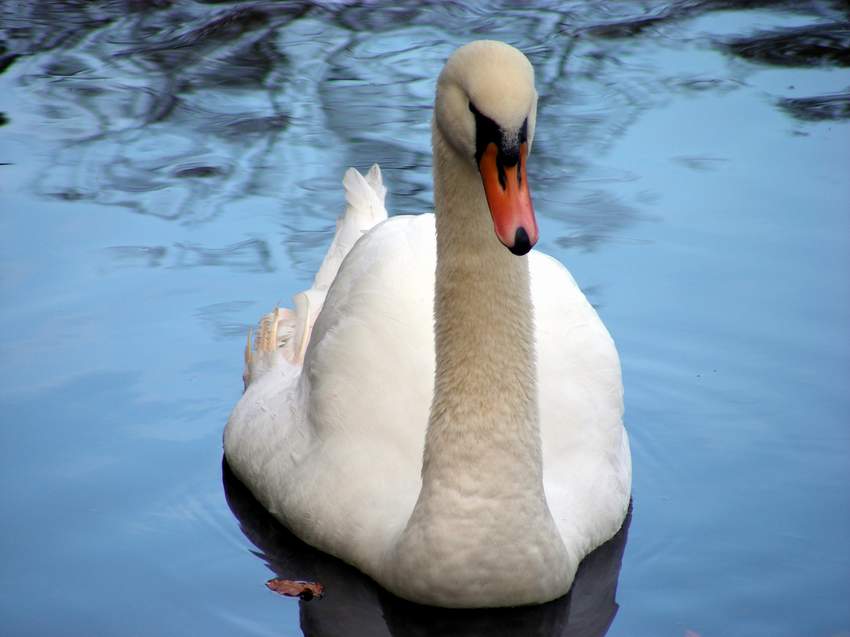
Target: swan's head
{"points": [[486, 108]]}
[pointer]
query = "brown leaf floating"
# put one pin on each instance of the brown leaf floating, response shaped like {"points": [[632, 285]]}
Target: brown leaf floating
{"points": [[296, 588]]}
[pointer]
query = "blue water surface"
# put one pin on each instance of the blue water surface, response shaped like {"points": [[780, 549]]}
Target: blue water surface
{"points": [[171, 171]]}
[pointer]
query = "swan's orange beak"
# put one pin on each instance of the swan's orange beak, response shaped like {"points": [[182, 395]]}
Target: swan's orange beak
{"points": [[509, 200]]}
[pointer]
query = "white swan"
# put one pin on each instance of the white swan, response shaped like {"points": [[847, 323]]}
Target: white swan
{"points": [[437, 411]]}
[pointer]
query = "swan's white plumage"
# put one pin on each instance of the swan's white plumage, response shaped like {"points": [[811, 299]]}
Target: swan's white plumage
{"points": [[340, 466], [330, 431]]}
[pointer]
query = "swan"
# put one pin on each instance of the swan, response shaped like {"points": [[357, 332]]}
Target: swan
{"points": [[443, 408]]}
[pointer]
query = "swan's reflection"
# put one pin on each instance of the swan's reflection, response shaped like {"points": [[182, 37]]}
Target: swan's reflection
{"points": [[354, 605]]}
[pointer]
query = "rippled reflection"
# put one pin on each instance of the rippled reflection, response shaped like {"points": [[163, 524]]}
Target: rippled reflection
{"points": [[180, 110]]}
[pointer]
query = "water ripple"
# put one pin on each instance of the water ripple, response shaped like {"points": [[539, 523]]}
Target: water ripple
{"points": [[820, 108], [820, 44]]}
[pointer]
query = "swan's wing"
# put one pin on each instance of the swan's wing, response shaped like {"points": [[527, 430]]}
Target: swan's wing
{"points": [[289, 330], [268, 432], [364, 197], [333, 447], [367, 384], [586, 462]]}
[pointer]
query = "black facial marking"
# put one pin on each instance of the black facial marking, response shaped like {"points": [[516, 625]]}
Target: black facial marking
{"points": [[523, 139], [519, 172], [486, 132], [508, 145]]}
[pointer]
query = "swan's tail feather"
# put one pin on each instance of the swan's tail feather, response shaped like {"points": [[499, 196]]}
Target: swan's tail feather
{"points": [[364, 197], [274, 330], [289, 330]]}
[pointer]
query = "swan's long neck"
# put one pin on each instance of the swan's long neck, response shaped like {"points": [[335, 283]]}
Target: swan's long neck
{"points": [[482, 509], [483, 421]]}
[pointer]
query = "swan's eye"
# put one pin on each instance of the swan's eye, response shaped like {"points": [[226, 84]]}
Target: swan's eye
{"points": [[472, 109]]}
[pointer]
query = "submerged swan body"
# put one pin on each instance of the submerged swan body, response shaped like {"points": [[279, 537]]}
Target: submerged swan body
{"points": [[443, 408]]}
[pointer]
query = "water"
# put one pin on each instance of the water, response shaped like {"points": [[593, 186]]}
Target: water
{"points": [[171, 170]]}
